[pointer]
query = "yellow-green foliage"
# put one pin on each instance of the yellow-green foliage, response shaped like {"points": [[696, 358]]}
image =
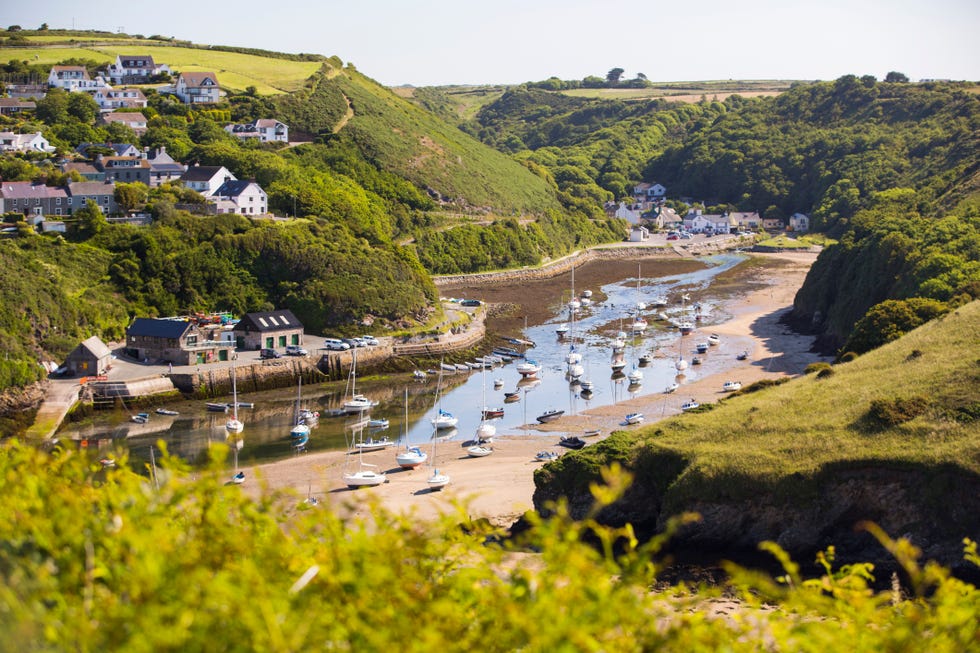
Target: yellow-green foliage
{"points": [[95, 559]]}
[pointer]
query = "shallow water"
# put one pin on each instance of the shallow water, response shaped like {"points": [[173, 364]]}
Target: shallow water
{"points": [[266, 433]]}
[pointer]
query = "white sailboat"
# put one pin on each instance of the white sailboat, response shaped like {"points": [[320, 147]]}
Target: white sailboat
{"points": [[411, 457], [437, 479], [357, 403], [639, 324], [234, 425], [365, 475], [443, 419], [486, 430]]}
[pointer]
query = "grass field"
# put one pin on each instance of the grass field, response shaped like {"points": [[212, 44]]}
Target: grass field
{"points": [[235, 71]]}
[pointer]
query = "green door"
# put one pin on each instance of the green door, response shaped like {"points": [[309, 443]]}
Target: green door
{"points": [[222, 354], [282, 341], [270, 342], [295, 339]]}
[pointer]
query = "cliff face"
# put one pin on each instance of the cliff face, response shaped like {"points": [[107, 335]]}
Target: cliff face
{"points": [[934, 508]]}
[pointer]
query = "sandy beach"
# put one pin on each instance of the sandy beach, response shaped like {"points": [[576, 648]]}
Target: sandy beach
{"points": [[499, 487]]}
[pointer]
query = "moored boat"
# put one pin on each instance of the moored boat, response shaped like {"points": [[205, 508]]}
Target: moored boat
{"points": [[690, 405], [732, 386], [550, 415], [166, 411], [634, 418], [572, 442]]}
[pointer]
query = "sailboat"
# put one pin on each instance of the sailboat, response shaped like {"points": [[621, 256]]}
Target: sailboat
{"points": [[443, 419], [300, 432], [573, 359], [437, 480], [357, 403], [411, 457], [636, 375], [486, 430], [365, 476], [639, 324], [234, 425]]}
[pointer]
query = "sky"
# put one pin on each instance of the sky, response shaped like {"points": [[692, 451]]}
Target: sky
{"points": [[444, 42]]}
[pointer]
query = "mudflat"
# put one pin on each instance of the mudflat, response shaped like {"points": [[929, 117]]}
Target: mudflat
{"points": [[499, 487]]}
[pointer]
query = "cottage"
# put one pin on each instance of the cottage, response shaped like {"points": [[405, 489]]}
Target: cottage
{"points": [[11, 105], [238, 196], [88, 171], [747, 219], [11, 142], [265, 130], [174, 340], [269, 330], [74, 79], [163, 168], [629, 212], [639, 234], [135, 69], [91, 358], [799, 222], [102, 193], [32, 199], [197, 88], [206, 179], [124, 169], [110, 99]]}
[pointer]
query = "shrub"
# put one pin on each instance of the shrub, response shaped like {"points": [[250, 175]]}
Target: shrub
{"points": [[818, 368], [892, 412], [847, 357], [825, 372]]}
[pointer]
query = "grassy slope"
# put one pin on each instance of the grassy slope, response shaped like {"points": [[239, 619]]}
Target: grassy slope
{"points": [[235, 71], [797, 429], [414, 144]]}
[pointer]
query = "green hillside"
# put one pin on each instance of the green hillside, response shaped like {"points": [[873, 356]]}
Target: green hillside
{"points": [[904, 416]]}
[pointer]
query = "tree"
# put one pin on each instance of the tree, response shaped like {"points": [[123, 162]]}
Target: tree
{"points": [[43, 27], [896, 78], [614, 75], [82, 107], [130, 197], [53, 107], [91, 221]]}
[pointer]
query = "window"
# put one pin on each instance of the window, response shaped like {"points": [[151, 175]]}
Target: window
{"points": [[57, 201]]}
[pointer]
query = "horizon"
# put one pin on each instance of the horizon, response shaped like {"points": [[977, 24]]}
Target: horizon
{"points": [[438, 43]]}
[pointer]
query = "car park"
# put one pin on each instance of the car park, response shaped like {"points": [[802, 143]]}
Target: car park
{"points": [[269, 353], [295, 350], [335, 344]]}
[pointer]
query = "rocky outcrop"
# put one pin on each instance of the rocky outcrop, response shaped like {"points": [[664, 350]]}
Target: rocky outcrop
{"points": [[935, 508]]}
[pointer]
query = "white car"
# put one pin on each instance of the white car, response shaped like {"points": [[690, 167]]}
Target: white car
{"points": [[335, 344], [370, 340], [295, 350]]}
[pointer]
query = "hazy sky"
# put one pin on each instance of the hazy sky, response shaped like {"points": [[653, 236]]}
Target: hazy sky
{"points": [[436, 42]]}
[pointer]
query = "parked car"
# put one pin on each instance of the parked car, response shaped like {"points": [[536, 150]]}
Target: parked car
{"points": [[370, 340], [351, 343], [335, 344], [470, 302], [269, 353], [295, 350], [673, 237]]}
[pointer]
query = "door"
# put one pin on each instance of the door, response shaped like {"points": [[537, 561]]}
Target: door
{"points": [[282, 341], [270, 342], [295, 339]]}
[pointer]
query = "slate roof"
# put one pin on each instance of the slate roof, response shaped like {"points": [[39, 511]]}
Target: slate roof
{"points": [[154, 328], [201, 173], [269, 321], [233, 187], [26, 189], [91, 188], [196, 80], [96, 347], [136, 61]]}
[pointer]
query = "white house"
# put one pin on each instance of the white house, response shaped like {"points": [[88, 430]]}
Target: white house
{"points": [[110, 99], [630, 213], [747, 220], [266, 130], [11, 142], [197, 88], [239, 196], [639, 234], [799, 222], [135, 69], [206, 179], [74, 78]]}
